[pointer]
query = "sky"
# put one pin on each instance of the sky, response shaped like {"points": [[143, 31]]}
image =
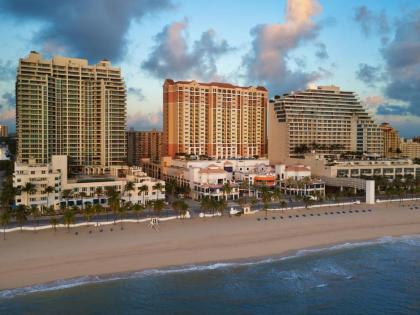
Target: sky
{"points": [[369, 47]]}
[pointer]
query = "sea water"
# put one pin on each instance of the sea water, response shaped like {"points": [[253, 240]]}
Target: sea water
{"points": [[374, 277]]}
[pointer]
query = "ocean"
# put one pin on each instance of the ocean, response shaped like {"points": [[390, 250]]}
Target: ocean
{"points": [[374, 277]]}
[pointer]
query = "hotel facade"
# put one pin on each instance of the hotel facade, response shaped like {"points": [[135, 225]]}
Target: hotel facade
{"points": [[325, 119], [410, 149], [143, 145], [217, 120], [65, 106], [391, 140]]}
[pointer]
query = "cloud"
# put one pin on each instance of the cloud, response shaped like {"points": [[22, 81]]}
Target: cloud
{"points": [[7, 110], [137, 92], [7, 100], [85, 28], [321, 51], [402, 60], [266, 63], [7, 71], [371, 22], [370, 75], [172, 57], [374, 100], [8, 116], [145, 121], [391, 110]]}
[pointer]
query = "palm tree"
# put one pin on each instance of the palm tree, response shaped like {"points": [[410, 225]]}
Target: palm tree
{"points": [[241, 202], [176, 206], [226, 189], [283, 204], [129, 187], [54, 222], [266, 198], [305, 182], [122, 210], [48, 191], [158, 186], [67, 193], [253, 201], [277, 194], [115, 204], [68, 217], [137, 208], [221, 206], [213, 205], [87, 213], [21, 214], [111, 193], [98, 192], [142, 190], [205, 204], [29, 188], [4, 221], [97, 209], [82, 195], [158, 205], [34, 211], [170, 186], [183, 208], [307, 201]]}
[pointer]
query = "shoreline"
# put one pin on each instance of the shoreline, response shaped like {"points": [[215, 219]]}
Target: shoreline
{"points": [[43, 258], [67, 283]]}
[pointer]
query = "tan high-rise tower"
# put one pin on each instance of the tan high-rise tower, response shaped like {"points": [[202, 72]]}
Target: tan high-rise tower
{"points": [[391, 140], [65, 106], [215, 119], [142, 145]]}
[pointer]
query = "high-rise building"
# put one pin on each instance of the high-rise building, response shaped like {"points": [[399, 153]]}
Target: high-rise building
{"points": [[4, 131], [410, 149], [218, 120], [325, 119], [65, 106], [143, 144], [391, 140]]}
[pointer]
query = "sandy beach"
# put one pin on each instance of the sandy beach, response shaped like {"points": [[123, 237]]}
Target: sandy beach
{"points": [[31, 258]]}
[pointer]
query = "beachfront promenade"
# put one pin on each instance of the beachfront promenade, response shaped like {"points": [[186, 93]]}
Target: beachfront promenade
{"points": [[168, 213]]}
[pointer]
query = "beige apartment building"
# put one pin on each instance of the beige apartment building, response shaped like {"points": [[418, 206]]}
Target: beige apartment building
{"points": [[410, 149], [143, 145], [65, 106], [218, 120], [391, 140], [4, 131], [323, 119]]}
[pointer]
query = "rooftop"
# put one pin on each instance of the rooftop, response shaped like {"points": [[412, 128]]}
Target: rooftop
{"points": [[218, 84]]}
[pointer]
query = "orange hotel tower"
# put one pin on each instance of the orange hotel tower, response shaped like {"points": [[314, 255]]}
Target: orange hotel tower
{"points": [[218, 120]]}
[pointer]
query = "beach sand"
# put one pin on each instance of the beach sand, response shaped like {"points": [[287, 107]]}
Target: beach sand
{"points": [[29, 258]]}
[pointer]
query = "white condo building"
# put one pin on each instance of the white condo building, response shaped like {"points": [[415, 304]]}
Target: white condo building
{"points": [[81, 189], [325, 119]]}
